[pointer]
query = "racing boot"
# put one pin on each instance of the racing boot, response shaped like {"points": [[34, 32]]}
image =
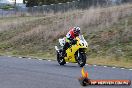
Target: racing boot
{"points": [[64, 50], [63, 53]]}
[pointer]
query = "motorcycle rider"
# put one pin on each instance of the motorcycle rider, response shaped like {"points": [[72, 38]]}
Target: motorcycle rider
{"points": [[70, 38]]}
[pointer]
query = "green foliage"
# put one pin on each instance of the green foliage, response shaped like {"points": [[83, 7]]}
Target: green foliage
{"points": [[6, 7], [31, 3]]}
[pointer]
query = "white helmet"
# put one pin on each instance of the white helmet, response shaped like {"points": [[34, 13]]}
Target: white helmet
{"points": [[76, 30]]}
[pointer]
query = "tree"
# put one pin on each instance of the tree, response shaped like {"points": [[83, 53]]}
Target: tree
{"points": [[15, 3], [24, 1], [31, 3]]}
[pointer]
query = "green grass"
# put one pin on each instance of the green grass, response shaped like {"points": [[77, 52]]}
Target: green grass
{"points": [[109, 61]]}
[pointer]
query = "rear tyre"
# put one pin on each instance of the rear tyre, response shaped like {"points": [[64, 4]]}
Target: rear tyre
{"points": [[81, 59], [60, 58]]}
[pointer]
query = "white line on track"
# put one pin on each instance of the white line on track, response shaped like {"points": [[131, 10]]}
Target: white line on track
{"points": [[20, 57], [49, 60], [130, 69], [29, 58], [86, 64], [39, 59], [9, 56], [105, 66], [113, 67], [94, 65], [122, 68]]}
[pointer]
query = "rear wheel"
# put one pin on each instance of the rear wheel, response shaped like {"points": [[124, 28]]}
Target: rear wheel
{"points": [[81, 59], [60, 58]]}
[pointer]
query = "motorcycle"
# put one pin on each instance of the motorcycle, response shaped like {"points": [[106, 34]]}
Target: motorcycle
{"points": [[76, 53]]}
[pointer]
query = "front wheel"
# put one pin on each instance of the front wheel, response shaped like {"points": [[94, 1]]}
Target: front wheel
{"points": [[81, 59], [60, 59]]}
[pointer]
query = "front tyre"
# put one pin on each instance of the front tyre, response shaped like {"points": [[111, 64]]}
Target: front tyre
{"points": [[81, 59], [60, 59]]}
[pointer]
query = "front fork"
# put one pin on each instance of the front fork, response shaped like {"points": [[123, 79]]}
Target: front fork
{"points": [[80, 51]]}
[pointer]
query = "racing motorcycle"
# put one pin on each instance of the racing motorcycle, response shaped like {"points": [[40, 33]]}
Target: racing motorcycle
{"points": [[76, 53]]}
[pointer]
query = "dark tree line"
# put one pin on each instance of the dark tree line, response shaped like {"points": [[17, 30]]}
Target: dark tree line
{"points": [[31, 3]]}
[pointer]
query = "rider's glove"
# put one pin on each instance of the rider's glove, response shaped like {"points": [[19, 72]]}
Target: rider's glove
{"points": [[74, 41]]}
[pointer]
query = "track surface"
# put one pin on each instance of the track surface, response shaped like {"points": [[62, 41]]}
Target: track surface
{"points": [[33, 73]]}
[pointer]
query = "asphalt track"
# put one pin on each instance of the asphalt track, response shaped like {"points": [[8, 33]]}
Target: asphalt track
{"points": [[33, 73]]}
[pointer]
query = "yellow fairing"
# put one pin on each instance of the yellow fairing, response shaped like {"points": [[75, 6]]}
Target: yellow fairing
{"points": [[71, 51]]}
